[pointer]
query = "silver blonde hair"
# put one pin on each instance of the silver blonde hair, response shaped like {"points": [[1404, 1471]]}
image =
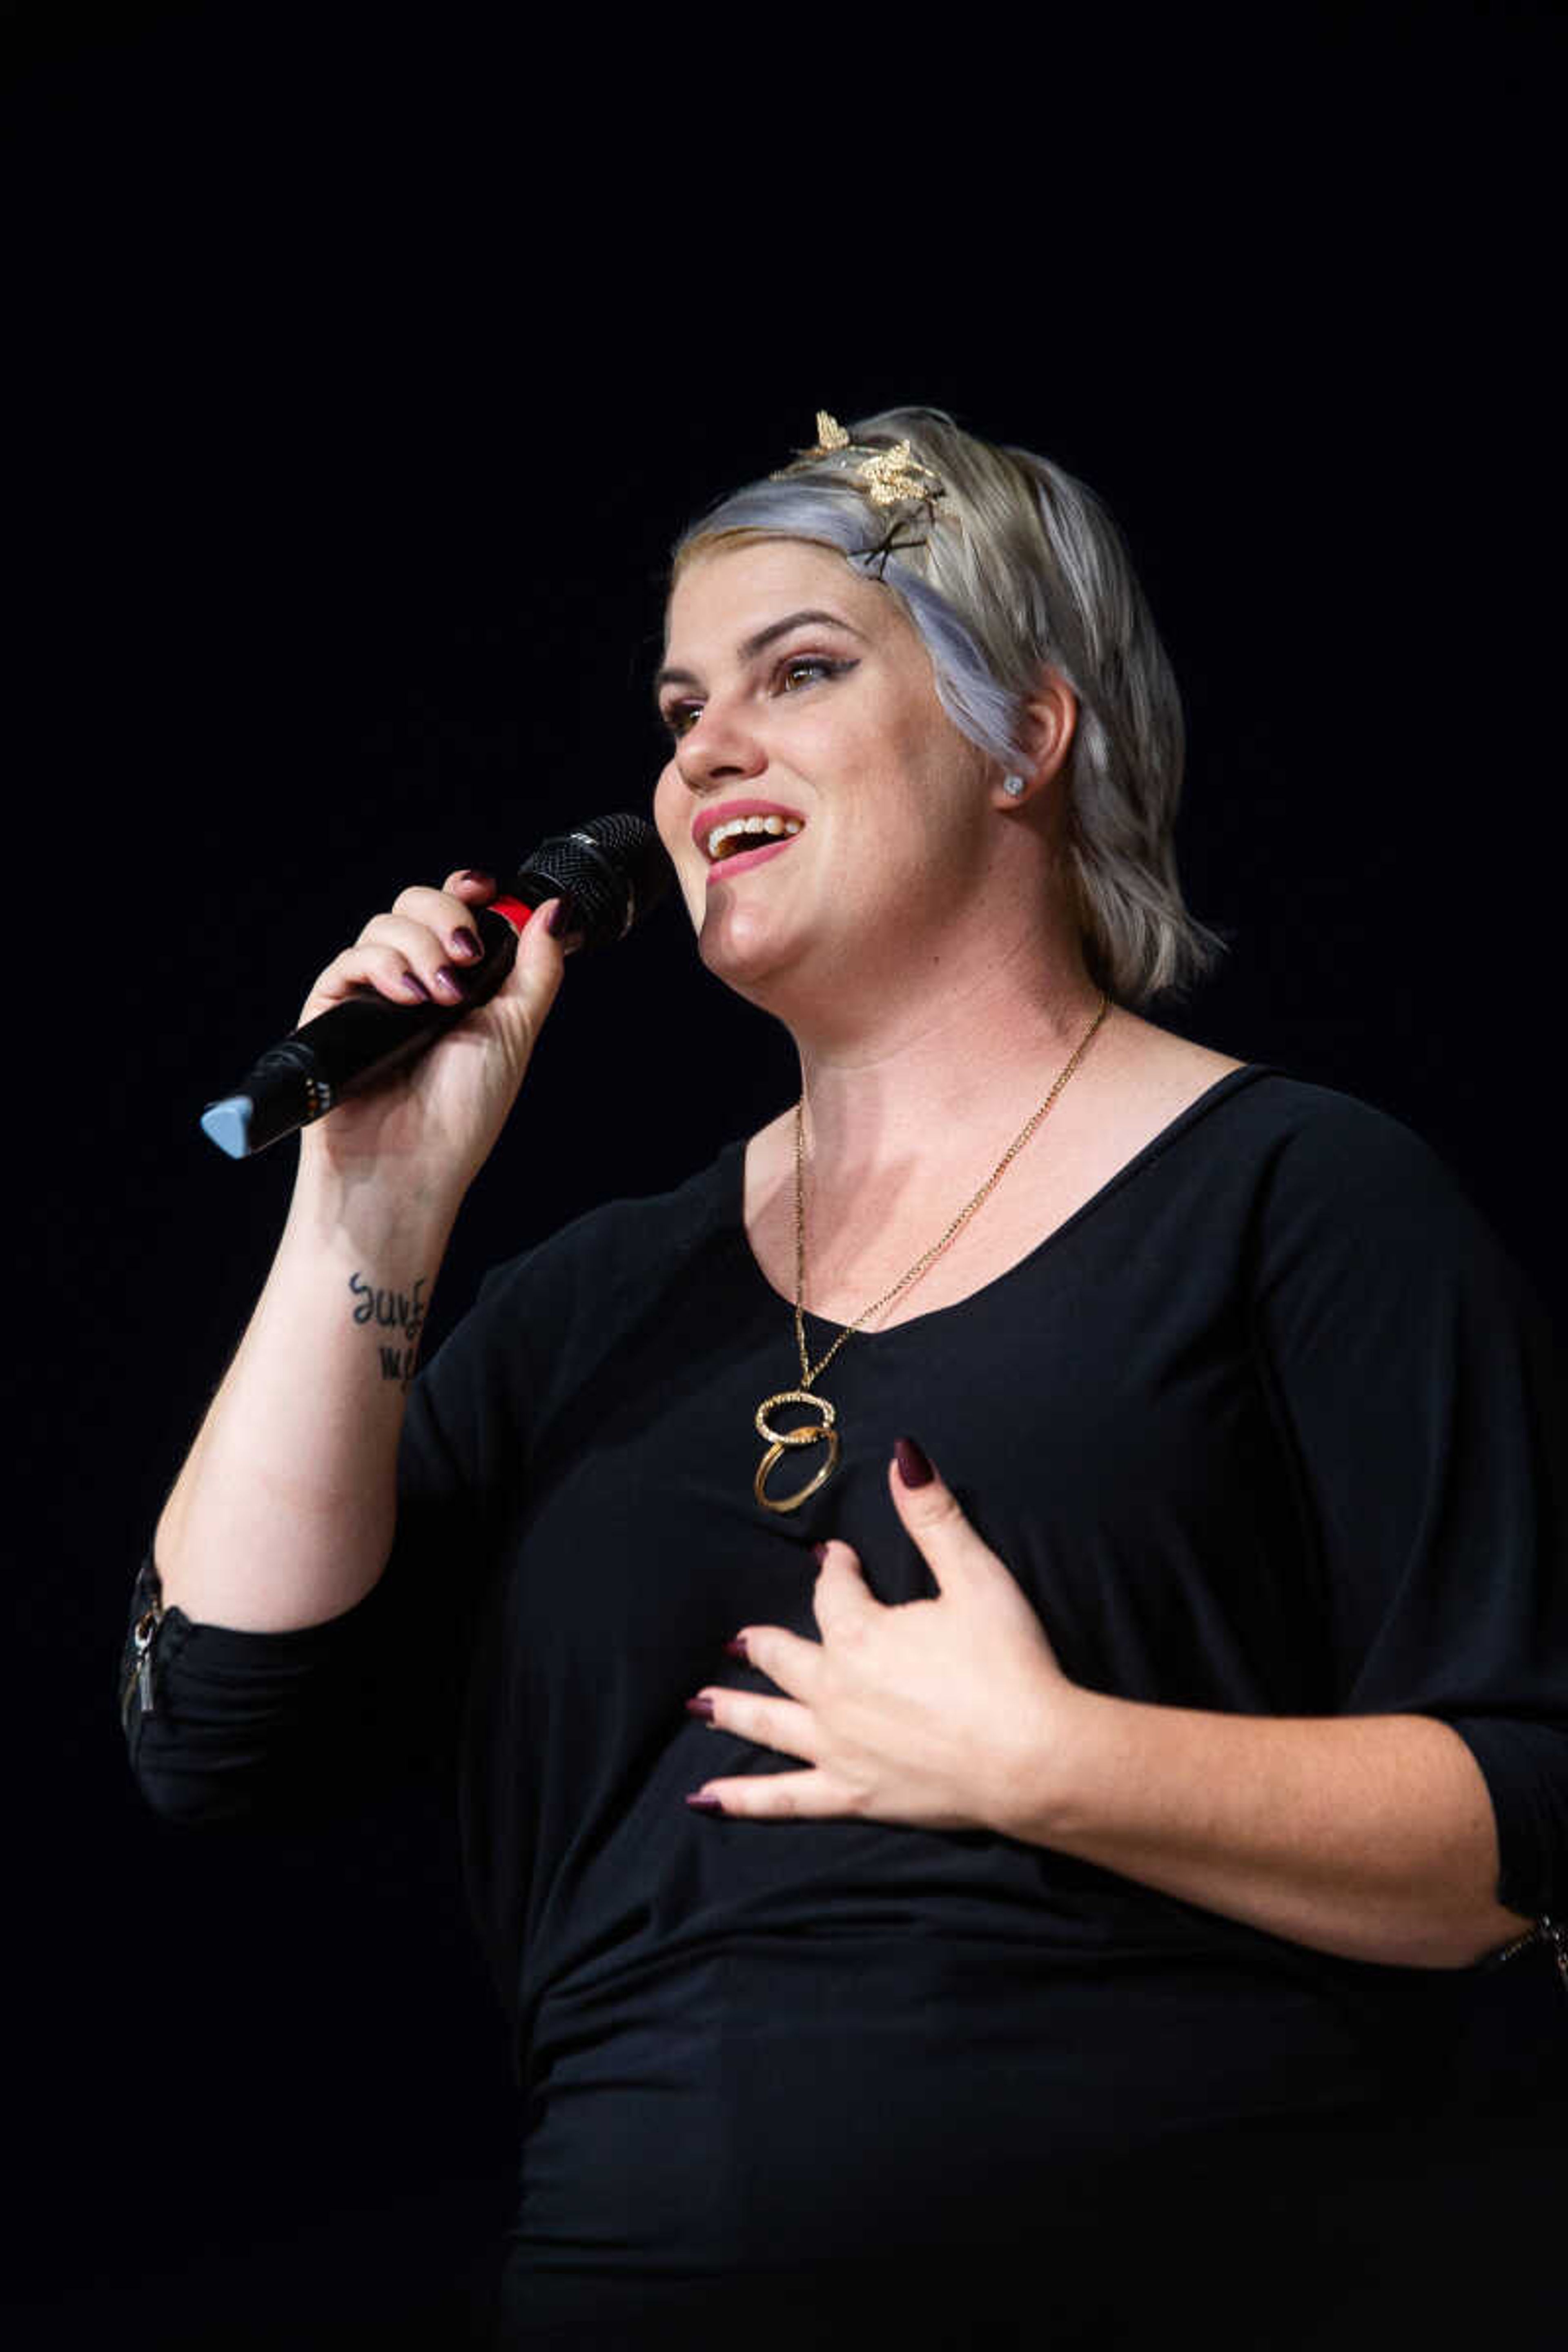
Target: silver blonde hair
{"points": [[1018, 569]]}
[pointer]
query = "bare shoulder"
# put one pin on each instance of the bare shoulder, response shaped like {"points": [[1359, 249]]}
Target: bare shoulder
{"points": [[1165, 1069], [1145, 1079]]}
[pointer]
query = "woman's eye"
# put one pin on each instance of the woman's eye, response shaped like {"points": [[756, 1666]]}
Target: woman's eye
{"points": [[805, 670], [799, 669]]}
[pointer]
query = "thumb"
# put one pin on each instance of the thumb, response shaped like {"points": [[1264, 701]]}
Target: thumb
{"points": [[529, 988]]}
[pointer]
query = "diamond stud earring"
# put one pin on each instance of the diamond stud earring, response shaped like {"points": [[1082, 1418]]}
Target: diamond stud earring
{"points": [[1012, 786]]}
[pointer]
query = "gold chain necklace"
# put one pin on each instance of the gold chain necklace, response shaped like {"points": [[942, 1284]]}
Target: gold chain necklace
{"points": [[824, 1431]]}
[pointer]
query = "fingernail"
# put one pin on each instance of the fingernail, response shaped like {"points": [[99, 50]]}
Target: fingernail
{"points": [[558, 919], [736, 1648], [473, 874], [415, 986], [915, 1470], [701, 1804], [820, 1550], [465, 943], [703, 1706], [451, 982]]}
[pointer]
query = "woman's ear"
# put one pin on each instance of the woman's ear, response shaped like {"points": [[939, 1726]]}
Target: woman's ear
{"points": [[1051, 722]]}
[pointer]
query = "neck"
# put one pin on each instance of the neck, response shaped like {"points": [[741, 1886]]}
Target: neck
{"points": [[970, 1052]]}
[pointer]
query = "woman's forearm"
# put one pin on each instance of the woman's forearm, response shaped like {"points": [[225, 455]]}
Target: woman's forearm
{"points": [[1369, 1836], [283, 1513]]}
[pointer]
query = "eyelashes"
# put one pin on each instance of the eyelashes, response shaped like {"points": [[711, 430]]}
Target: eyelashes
{"points": [[795, 671]]}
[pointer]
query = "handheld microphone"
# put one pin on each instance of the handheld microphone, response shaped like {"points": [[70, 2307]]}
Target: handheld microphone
{"points": [[610, 871]]}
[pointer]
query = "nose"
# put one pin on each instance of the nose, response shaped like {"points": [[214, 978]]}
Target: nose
{"points": [[719, 749]]}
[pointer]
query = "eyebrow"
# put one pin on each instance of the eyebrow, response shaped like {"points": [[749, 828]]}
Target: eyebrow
{"points": [[752, 646]]}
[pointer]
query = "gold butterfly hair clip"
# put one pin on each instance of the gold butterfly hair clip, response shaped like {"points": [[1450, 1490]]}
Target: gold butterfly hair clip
{"points": [[889, 477]]}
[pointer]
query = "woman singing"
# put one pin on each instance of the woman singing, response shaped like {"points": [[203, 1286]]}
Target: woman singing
{"points": [[1011, 1631]]}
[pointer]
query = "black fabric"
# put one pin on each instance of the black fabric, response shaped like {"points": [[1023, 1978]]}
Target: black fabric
{"points": [[1268, 1427]]}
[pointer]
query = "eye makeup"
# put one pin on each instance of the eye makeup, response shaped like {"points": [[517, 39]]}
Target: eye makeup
{"points": [[680, 717]]}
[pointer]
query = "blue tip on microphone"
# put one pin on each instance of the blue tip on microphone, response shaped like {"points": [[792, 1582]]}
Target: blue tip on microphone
{"points": [[228, 1124]]}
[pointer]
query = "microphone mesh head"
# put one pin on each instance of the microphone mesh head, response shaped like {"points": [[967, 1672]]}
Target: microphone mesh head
{"points": [[613, 868]]}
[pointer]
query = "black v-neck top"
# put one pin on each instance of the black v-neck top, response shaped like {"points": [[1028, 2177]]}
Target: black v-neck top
{"points": [[1268, 1426]]}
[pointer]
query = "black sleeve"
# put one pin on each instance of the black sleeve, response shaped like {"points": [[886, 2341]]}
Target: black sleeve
{"points": [[1421, 1393], [223, 1725]]}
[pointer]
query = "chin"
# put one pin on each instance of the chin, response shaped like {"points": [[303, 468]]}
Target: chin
{"points": [[739, 945]]}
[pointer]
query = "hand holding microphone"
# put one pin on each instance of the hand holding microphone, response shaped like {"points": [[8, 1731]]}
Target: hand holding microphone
{"points": [[440, 961]]}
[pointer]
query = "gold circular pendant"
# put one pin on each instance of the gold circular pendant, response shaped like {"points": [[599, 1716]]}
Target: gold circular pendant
{"points": [[782, 1441]]}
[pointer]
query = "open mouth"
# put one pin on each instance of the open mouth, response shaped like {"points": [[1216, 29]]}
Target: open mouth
{"points": [[742, 834]]}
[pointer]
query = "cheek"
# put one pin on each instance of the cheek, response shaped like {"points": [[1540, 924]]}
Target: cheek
{"points": [[672, 821], [907, 801], [672, 816]]}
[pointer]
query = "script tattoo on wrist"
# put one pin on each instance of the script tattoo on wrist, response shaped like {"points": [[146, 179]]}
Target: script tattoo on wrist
{"points": [[399, 1311]]}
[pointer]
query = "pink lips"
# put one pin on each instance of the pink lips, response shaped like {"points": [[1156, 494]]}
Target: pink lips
{"points": [[739, 860]]}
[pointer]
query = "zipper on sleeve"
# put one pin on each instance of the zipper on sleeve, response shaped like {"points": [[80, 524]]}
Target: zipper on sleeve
{"points": [[144, 1652], [1552, 1933]]}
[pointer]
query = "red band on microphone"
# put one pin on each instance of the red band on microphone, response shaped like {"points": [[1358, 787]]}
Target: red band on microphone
{"points": [[511, 910]]}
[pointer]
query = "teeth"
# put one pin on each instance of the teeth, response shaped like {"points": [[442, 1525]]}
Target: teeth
{"points": [[779, 826]]}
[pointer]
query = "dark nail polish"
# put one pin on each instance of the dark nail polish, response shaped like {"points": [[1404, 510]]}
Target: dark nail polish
{"points": [[558, 922], [736, 1648], [820, 1550], [452, 982], [913, 1468], [473, 874], [466, 943], [703, 1706], [414, 986], [705, 1804]]}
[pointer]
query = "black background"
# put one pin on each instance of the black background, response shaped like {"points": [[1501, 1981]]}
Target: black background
{"points": [[361, 368]]}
